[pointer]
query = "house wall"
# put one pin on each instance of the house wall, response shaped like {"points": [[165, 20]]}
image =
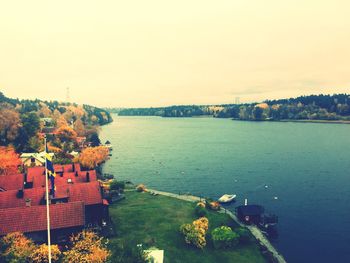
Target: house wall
{"points": [[94, 214], [58, 236]]}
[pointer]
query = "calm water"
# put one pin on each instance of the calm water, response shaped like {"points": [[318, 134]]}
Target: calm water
{"points": [[305, 165]]}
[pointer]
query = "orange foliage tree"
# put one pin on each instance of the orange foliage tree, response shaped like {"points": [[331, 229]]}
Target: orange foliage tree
{"points": [[16, 248], [79, 127], [91, 157], [60, 120], [41, 254], [195, 233], [86, 247], [9, 123], [9, 161], [66, 133]]}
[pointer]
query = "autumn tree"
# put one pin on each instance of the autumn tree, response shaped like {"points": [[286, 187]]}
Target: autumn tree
{"points": [[56, 115], [9, 124], [66, 133], [79, 127], [61, 121], [86, 247], [9, 161], [91, 157], [44, 111], [15, 247], [41, 254], [66, 138]]}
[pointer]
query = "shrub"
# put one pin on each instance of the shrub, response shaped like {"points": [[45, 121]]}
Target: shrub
{"points": [[244, 235], [224, 237], [195, 233], [201, 204], [140, 188], [108, 176], [40, 254], [200, 211], [15, 247], [86, 246], [214, 205], [117, 185]]}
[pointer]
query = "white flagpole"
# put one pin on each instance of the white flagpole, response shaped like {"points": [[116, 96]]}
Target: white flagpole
{"points": [[47, 206]]}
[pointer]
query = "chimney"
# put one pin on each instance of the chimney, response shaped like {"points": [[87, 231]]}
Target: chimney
{"points": [[73, 167], [28, 202], [20, 193], [87, 177], [246, 201], [76, 173]]}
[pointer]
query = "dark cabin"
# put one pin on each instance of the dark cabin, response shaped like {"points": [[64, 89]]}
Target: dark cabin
{"points": [[250, 214]]}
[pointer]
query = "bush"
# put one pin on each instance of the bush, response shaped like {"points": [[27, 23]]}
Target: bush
{"points": [[202, 204], [117, 185], [200, 211], [195, 233], [244, 235], [140, 188], [15, 247], [224, 237], [214, 205]]}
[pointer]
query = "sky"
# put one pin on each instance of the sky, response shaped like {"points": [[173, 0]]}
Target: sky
{"points": [[161, 52]]}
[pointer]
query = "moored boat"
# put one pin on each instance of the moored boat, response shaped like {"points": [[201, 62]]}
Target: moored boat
{"points": [[226, 198]]}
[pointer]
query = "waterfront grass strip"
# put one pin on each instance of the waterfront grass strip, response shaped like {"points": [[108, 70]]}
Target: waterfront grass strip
{"points": [[154, 221]]}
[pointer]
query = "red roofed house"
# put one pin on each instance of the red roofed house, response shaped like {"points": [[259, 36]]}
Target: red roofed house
{"points": [[77, 202], [11, 182]]}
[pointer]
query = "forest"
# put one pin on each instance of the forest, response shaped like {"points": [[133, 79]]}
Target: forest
{"points": [[312, 107], [23, 123]]}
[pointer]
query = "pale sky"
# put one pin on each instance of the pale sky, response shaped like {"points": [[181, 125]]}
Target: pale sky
{"points": [[156, 53]]}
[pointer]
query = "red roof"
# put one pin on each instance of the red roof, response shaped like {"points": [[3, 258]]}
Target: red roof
{"points": [[89, 193], [8, 199], [32, 219], [36, 175], [11, 182], [35, 171]]}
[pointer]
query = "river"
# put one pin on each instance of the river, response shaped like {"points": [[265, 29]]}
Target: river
{"points": [[299, 171]]}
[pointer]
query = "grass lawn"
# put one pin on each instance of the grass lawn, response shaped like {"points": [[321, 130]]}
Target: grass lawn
{"points": [[155, 220]]}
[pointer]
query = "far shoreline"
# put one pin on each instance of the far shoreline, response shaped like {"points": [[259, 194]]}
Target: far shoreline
{"points": [[210, 116], [301, 121]]}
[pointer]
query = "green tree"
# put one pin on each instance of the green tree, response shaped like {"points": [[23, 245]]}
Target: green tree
{"points": [[95, 140], [224, 237], [30, 123], [258, 113], [117, 185]]}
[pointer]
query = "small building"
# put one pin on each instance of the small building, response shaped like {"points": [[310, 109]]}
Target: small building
{"points": [[250, 214], [34, 159], [108, 145]]}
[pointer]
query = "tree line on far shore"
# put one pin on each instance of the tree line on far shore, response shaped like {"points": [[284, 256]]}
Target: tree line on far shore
{"points": [[313, 107]]}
